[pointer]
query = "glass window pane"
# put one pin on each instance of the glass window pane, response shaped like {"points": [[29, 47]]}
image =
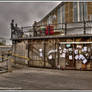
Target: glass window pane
{"points": [[58, 16], [85, 11], [63, 14]]}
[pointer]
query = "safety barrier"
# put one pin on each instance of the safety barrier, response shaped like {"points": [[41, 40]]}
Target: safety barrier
{"points": [[24, 57], [6, 59], [11, 60], [15, 55]]}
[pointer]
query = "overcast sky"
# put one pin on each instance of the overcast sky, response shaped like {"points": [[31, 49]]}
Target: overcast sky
{"points": [[23, 13]]}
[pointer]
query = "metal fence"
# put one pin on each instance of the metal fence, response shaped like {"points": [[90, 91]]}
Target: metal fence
{"points": [[65, 55]]}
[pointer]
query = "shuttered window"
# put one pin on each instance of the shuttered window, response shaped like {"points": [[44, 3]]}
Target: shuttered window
{"points": [[75, 12], [83, 13]]}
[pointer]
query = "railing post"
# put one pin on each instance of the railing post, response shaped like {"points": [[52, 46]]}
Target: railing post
{"points": [[49, 29], [84, 27], [65, 28]]}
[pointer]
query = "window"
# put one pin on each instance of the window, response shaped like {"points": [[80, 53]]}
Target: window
{"points": [[63, 14], [75, 12], [83, 12], [58, 16], [49, 21]]}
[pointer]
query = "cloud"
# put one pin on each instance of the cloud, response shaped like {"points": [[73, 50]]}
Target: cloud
{"points": [[23, 13]]}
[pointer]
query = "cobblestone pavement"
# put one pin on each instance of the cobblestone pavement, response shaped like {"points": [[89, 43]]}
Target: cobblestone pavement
{"points": [[46, 79]]}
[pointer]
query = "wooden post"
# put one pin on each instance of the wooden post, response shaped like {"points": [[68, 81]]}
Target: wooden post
{"points": [[55, 53], [44, 53], [14, 50], [90, 53], [74, 62], [58, 53], [28, 52], [2, 56]]}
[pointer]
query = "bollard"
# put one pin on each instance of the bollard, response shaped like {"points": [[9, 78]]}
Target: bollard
{"points": [[9, 64]]}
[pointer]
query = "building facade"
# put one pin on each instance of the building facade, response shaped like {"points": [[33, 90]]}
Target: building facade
{"points": [[71, 14], [68, 12]]}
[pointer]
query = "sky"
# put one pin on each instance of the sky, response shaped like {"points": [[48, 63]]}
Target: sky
{"points": [[24, 14]]}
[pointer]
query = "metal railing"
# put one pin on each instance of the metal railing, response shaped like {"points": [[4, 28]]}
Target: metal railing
{"points": [[83, 27]]}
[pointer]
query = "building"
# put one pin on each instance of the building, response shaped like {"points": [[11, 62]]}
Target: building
{"points": [[70, 45], [69, 12], [73, 14]]}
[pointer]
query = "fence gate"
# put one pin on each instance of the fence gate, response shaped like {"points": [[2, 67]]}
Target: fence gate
{"points": [[43, 53], [36, 50]]}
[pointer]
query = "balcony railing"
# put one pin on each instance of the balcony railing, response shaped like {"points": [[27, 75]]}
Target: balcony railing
{"points": [[84, 27]]}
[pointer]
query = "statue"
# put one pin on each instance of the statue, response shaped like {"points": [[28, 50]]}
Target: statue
{"points": [[34, 28], [16, 32], [12, 27]]}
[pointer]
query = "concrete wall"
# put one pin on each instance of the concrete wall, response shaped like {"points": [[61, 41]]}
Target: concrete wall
{"points": [[20, 48]]}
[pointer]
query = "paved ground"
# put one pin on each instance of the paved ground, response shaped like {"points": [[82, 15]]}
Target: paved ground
{"points": [[38, 79]]}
